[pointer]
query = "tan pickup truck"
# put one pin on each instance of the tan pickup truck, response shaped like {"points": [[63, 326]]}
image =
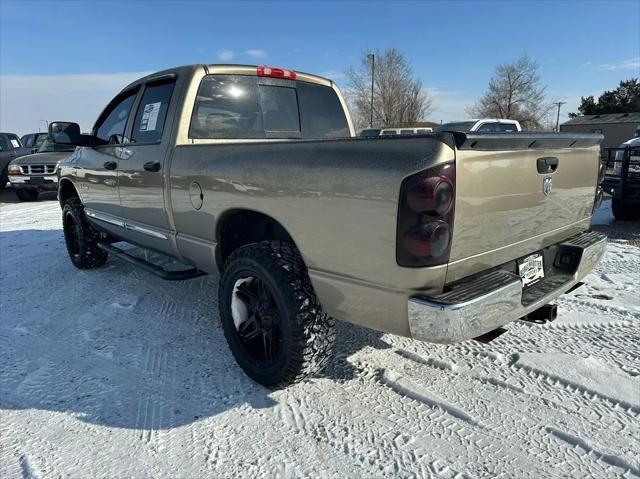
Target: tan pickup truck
{"points": [[255, 172]]}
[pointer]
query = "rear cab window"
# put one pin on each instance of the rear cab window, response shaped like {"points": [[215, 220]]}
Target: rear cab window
{"points": [[506, 127], [248, 107]]}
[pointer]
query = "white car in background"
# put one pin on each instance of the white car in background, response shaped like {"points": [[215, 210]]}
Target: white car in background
{"points": [[484, 125], [420, 130]]}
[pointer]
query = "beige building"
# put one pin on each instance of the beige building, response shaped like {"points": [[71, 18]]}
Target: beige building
{"points": [[616, 128]]}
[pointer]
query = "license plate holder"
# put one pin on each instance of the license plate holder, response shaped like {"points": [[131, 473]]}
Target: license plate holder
{"points": [[36, 180], [531, 269]]}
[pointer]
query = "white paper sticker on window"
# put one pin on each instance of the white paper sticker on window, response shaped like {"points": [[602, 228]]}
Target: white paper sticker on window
{"points": [[150, 116], [15, 143]]}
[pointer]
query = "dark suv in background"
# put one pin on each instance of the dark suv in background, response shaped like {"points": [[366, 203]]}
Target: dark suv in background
{"points": [[10, 148]]}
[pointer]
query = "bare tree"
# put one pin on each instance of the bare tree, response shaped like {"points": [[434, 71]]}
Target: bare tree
{"points": [[515, 93], [398, 97]]}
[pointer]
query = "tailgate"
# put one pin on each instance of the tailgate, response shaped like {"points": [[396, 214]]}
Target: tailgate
{"points": [[517, 193]]}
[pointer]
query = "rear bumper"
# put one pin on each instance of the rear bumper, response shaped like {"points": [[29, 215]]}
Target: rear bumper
{"points": [[491, 300]]}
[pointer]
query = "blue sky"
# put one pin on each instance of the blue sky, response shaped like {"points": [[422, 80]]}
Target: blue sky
{"points": [[51, 49]]}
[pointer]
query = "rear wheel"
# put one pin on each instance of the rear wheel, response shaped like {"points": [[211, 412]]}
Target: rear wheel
{"points": [[624, 211], [81, 238], [272, 320], [27, 194]]}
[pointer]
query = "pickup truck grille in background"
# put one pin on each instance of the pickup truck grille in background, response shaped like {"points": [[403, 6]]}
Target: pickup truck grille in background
{"points": [[37, 169]]}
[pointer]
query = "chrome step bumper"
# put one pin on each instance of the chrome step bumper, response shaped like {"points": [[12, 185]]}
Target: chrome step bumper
{"points": [[494, 299]]}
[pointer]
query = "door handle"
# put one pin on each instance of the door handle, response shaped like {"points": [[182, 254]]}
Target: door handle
{"points": [[110, 165], [152, 166], [547, 165]]}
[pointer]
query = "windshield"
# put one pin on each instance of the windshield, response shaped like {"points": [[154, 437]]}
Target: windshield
{"points": [[48, 147], [39, 140], [457, 126]]}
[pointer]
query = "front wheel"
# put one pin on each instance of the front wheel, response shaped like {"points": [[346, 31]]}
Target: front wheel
{"points": [[624, 211], [81, 238], [273, 322], [27, 194]]}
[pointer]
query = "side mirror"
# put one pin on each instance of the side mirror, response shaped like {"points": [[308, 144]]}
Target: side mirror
{"points": [[67, 133]]}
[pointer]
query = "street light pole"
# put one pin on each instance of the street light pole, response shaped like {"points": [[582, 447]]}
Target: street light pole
{"points": [[559, 103], [372, 57]]}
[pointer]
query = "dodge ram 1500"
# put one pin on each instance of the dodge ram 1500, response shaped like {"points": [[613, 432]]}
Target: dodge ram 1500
{"points": [[254, 172]]}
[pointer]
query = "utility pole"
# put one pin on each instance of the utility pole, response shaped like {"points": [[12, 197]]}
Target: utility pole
{"points": [[559, 103], [372, 57]]}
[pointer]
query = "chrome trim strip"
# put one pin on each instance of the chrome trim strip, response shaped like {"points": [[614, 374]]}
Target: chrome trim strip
{"points": [[122, 224], [146, 231], [105, 218], [436, 322]]}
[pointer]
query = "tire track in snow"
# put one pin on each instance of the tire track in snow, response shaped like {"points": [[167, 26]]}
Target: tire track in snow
{"points": [[610, 459], [150, 415], [405, 387], [577, 388], [431, 362]]}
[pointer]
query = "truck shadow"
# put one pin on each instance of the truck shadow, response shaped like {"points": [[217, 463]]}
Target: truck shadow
{"points": [[8, 195], [121, 348]]}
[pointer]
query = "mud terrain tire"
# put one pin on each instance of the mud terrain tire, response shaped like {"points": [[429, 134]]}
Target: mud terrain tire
{"points": [[304, 334], [81, 238]]}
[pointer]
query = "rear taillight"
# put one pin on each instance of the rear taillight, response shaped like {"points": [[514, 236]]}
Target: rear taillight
{"points": [[425, 217], [274, 72]]}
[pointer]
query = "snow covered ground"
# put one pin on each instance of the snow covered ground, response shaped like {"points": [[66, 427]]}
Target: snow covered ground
{"points": [[115, 373]]}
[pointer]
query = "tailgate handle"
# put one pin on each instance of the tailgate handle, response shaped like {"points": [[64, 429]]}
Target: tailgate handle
{"points": [[547, 165]]}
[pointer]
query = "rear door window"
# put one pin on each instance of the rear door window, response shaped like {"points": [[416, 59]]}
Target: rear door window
{"points": [[488, 128], [27, 141], [152, 112]]}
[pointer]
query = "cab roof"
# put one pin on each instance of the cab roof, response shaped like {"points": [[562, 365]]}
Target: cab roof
{"points": [[223, 69]]}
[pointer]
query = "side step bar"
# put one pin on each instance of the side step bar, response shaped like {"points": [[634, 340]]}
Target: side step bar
{"points": [[150, 267]]}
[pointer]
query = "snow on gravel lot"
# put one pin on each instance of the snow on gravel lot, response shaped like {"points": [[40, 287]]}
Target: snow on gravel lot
{"points": [[115, 373]]}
